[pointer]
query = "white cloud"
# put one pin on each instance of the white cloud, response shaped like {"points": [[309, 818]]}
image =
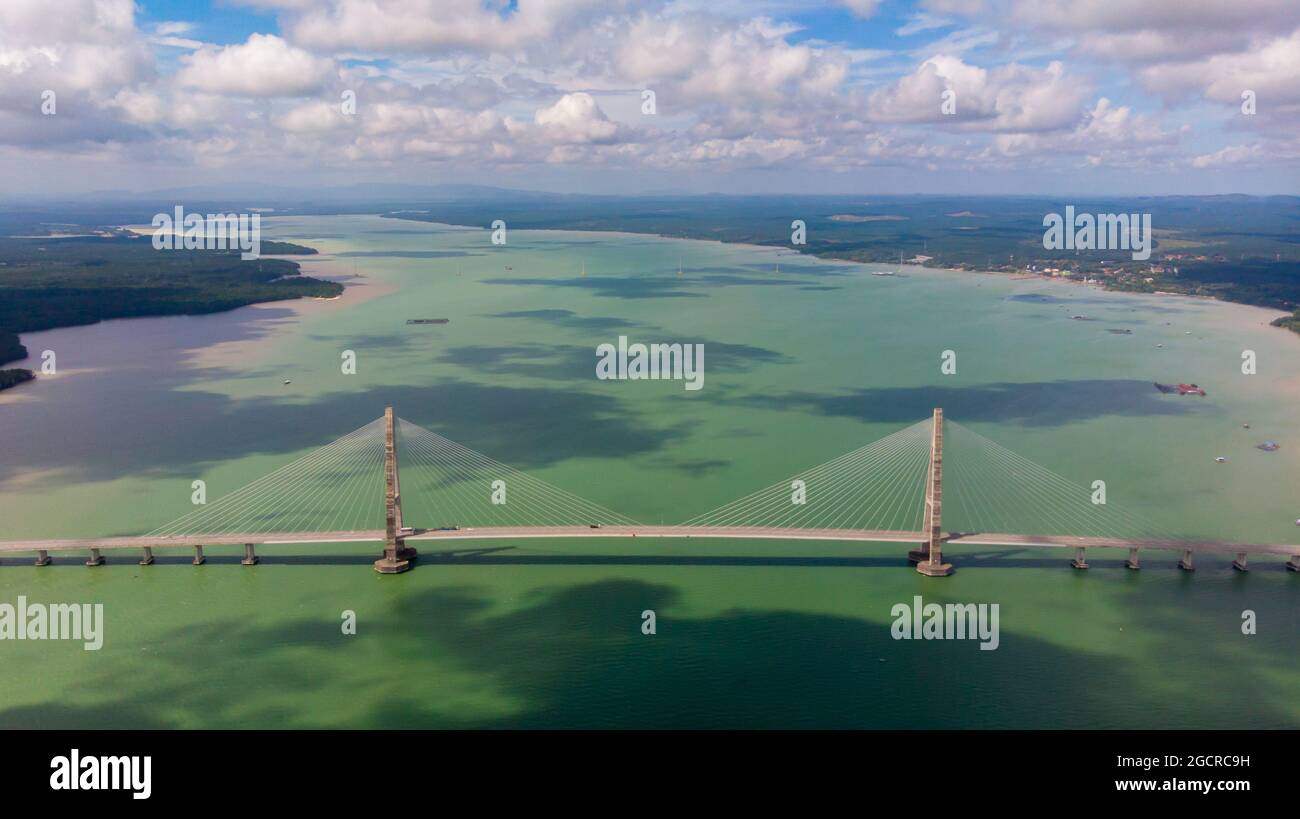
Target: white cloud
{"points": [[1108, 134], [861, 8], [1270, 68], [575, 118], [1230, 155], [425, 26], [313, 117], [922, 21], [739, 85], [1005, 98], [265, 66], [83, 46], [702, 58]]}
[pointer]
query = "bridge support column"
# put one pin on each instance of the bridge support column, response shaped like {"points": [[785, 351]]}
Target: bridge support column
{"points": [[96, 559], [397, 555], [199, 559], [929, 558], [1079, 562], [42, 557], [147, 560], [250, 556], [1186, 563], [1240, 563], [1132, 562], [1293, 565]]}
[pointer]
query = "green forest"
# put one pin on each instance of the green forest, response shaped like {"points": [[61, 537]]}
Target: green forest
{"points": [[60, 282]]}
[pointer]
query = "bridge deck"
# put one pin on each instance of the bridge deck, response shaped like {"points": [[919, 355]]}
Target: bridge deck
{"points": [[704, 532]]}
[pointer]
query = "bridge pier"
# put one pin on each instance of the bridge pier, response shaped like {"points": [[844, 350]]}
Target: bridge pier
{"points": [[1186, 563], [42, 557], [250, 556], [199, 559], [1079, 562], [1240, 563], [1132, 561], [147, 560], [96, 559]]}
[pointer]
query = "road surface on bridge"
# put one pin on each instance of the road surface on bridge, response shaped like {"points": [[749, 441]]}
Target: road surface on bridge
{"points": [[701, 532]]}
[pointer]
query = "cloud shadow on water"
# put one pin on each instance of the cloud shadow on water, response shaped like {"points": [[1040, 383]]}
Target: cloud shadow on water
{"points": [[567, 361], [571, 320], [631, 287], [1040, 403], [177, 434], [572, 655]]}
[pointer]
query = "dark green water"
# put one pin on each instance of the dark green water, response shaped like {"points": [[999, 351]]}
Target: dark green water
{"points": [[547, 633]]}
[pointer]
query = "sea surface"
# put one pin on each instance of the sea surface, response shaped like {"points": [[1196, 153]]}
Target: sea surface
{"points": [[805, 360]]}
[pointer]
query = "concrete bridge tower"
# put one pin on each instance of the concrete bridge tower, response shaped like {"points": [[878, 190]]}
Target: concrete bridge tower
{"points": [[929, 558], [397, 555]]}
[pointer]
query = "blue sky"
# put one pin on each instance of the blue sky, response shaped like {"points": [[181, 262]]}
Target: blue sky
{"points": [[1048, 96]]}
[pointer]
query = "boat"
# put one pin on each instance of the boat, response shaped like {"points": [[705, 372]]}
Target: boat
{"points": [[1181, 389], [428, 321], [1269, 446], [1220, 460]]}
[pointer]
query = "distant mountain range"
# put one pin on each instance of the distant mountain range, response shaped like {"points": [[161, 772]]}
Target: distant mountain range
{"points": [[350, 194]]}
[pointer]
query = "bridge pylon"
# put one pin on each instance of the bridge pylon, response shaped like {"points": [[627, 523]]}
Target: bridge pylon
{"points": [[929, 558], [397, 555]]}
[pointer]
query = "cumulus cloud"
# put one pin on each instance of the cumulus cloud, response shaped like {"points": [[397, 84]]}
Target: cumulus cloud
{"points": [[1230, 155], [87, 46], [425, 26], [312, 117], [1005, 98], [1108, 135], [702, 58], [506, 85], [76, 57], [264, 66], [1270, 68], [575, 118]]}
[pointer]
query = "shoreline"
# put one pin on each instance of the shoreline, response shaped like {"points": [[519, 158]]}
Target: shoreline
{"points": [[309, 267], [29, 376], [1277, 313]]}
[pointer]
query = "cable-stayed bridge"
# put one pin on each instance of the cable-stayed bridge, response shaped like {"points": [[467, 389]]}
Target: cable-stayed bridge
{"points": [[904, 488]]}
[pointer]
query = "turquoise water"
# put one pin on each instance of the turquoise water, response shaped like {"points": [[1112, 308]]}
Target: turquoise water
{"points": [[801, 366]]}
